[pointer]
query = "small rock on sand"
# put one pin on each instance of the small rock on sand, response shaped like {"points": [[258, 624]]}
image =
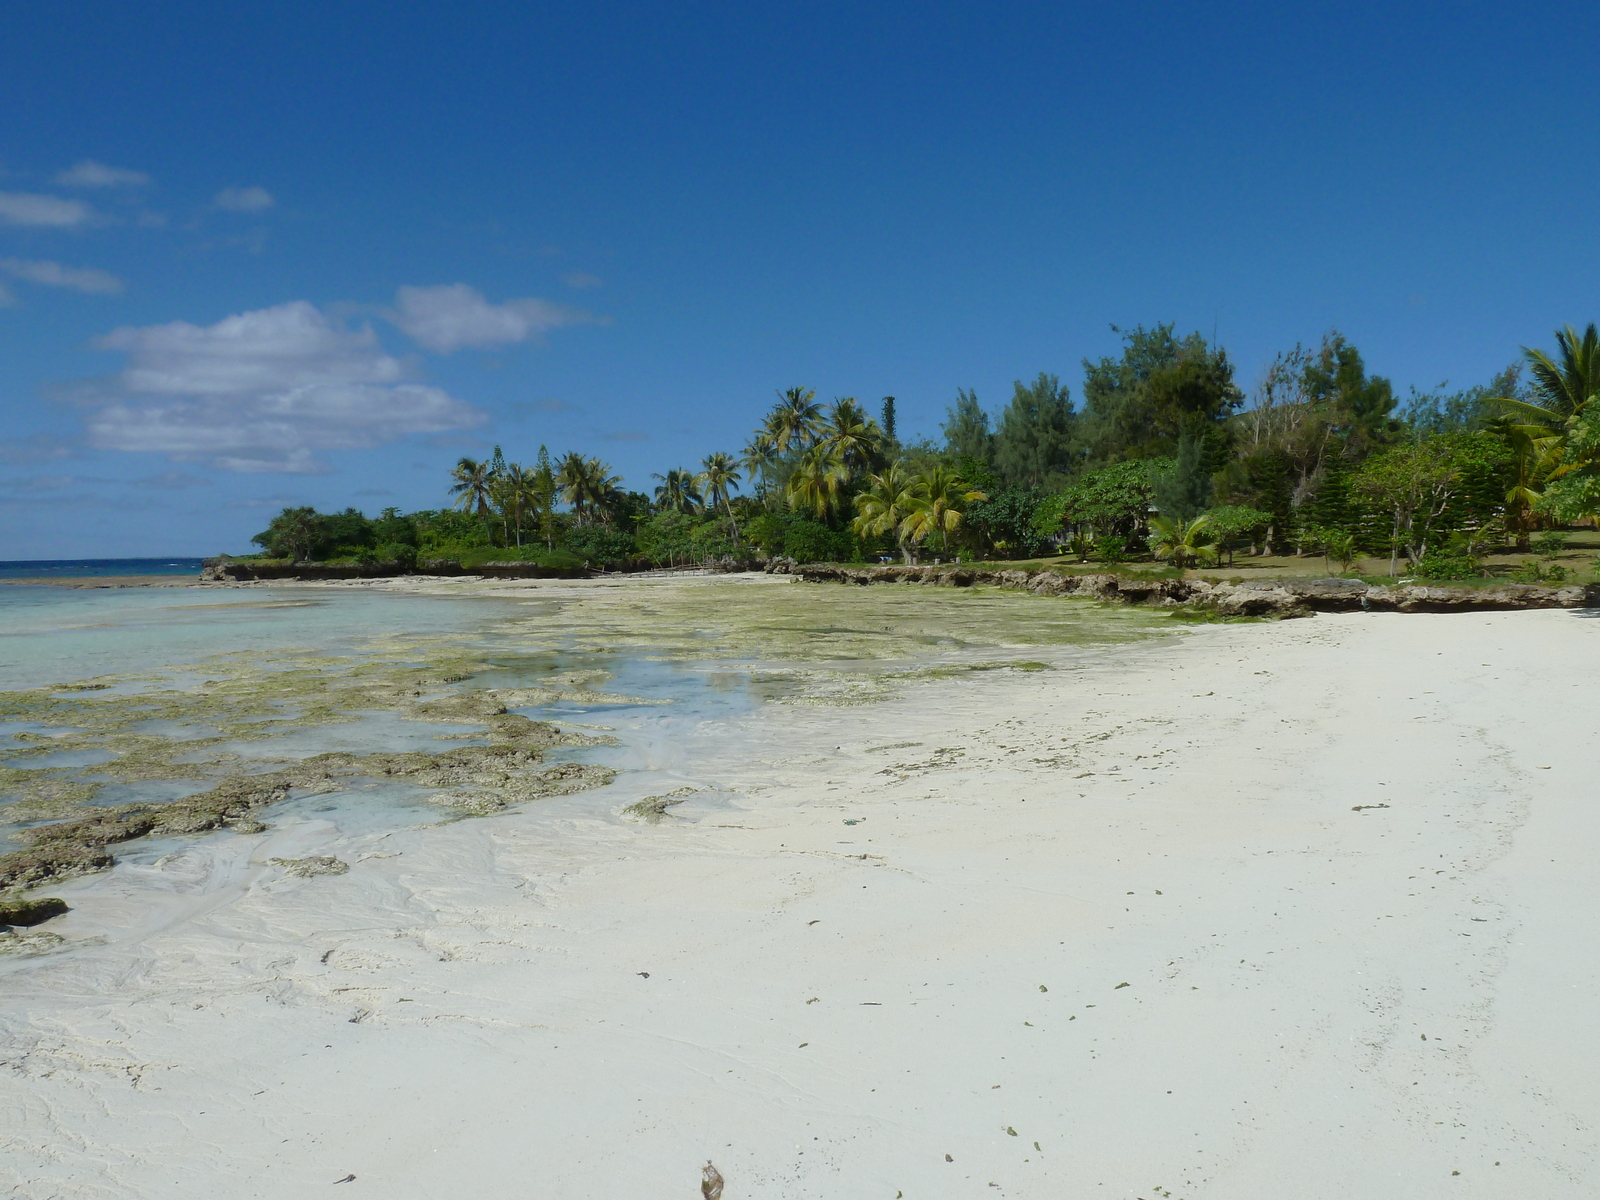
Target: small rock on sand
{"points": [[317, 864]]}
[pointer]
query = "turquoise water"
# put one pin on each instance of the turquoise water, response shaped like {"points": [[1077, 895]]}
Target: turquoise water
{"points": [[138, 641], [60, 635], [91, 568]]}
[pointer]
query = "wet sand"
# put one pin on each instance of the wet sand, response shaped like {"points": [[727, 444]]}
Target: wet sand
{"points": [[1300, 909]]}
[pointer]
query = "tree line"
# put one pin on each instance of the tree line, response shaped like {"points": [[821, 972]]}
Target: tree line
{"points": [[1167, 456]]}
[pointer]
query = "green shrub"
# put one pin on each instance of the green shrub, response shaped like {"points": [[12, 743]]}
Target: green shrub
{"points": [[398, 552], [558, 559], [601, 545], [1534, 572], [1550, 544], [809, 541], [1441, 565], [766, 532], [667, 539], [1111, 549]]}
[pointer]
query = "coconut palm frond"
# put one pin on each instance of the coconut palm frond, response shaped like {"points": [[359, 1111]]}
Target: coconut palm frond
{"points": [[1183, 542], [793, 422], [677, 492], [886, 505]]}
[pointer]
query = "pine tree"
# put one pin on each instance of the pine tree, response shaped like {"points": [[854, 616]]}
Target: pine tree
{"points": [[966, 432], [545, 490], [1184, 492]]}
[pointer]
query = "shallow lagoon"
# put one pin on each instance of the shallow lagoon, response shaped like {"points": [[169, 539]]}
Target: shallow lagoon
{"points": [[119, 696]]}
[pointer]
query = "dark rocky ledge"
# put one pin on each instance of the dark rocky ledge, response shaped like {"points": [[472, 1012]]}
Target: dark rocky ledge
{"points": [[1255, 598]]}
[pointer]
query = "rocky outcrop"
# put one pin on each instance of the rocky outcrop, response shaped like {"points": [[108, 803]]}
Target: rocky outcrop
{"points": [[1255, 598], [471, 780], [22, 912], [227, 570]]}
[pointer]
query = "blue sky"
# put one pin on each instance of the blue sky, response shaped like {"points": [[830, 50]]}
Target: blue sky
{"points": [[262, 254]]}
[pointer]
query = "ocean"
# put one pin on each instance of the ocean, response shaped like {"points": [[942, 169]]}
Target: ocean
{"points": [[80, 568]]}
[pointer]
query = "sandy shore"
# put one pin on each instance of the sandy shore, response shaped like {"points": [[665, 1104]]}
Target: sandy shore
{"points": [[1256, 911]]}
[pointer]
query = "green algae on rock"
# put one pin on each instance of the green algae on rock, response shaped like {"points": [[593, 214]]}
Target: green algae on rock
{"points": [[31, 912], [472, 780], [160, 728]]}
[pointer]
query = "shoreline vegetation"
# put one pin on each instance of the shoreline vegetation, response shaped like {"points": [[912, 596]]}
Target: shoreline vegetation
{"points": [[1166, 464]]}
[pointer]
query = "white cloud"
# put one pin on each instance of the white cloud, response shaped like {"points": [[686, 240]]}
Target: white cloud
{"points": [[264, 391], [53, 274], [31, 208], [582, 279], [89, 173], [453, 315], [244, 199]]}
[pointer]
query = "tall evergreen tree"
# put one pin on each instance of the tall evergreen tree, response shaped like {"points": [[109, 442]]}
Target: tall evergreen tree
{"points": [[1184, 492], [891, 434], [1139, 405], [966, 430], [1035, 442], [544, 497], [1361, 406]]}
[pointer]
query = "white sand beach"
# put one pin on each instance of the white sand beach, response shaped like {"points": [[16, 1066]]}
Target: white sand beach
{"points": [[1248, 912]]}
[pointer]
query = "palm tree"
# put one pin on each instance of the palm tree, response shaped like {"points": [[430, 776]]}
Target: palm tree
{"points": [[1549, 443], [816, 482], [473, 483], [759, 459], [516, 490], [718, 478], [588, 485], [602, 489], [1535, 451], [677, 492], [572, 477], [1183, 542], [886, 505], [793, 422], [1338, 545], [1563, 389], [943, 498], [849, 436]]}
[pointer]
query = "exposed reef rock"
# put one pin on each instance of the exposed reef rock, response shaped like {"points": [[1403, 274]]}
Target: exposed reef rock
{"points": [[653, 809], [31, 912], [132, 730], [317, 864], [1255, 598], [472, 780]]}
